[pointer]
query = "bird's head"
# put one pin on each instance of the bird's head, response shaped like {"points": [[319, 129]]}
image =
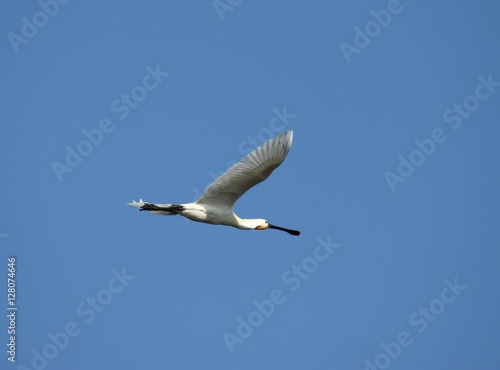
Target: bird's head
{"points": [[261, 224]]}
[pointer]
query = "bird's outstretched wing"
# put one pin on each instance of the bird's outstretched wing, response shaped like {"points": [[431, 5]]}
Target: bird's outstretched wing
{"points": [[251, 170]]}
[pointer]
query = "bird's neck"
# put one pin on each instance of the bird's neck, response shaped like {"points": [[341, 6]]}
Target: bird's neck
{"points": [[248, 223]]}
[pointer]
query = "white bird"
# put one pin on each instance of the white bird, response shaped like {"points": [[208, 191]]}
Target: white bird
{"points": [[216, 204]]}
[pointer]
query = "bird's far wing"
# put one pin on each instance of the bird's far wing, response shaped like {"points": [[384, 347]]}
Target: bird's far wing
{"points": [[251, 170]]}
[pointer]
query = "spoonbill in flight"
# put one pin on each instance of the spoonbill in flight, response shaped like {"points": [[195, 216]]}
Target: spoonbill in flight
{"points": [[216, 204]]}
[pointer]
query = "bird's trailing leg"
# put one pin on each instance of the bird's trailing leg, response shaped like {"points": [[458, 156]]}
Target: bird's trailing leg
{"points": [[174, 208]]}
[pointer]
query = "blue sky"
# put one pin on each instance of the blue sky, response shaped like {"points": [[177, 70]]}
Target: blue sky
{"points": [[392, 179]]}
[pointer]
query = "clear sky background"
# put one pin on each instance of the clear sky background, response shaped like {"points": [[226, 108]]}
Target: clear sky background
{"points": [[412, 281]]}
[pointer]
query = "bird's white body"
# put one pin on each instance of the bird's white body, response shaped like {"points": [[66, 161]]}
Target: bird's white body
{"points": [[215, 206]]}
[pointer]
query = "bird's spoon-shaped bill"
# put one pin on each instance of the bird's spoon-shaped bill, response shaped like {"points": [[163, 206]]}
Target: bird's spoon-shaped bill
{"points": [[289, 231]]}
